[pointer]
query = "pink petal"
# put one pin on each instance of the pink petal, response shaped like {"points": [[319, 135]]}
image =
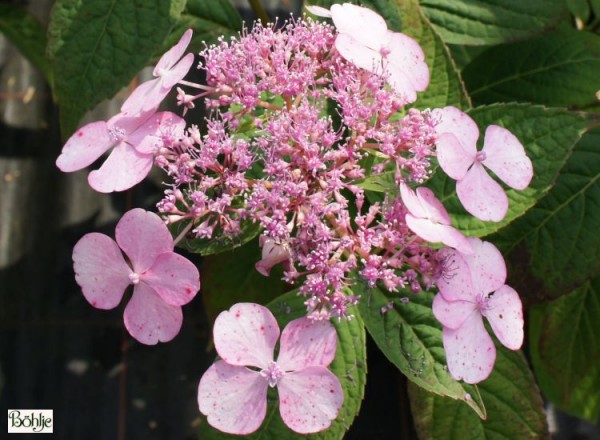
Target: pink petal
{"points": [[146, 137], [434, 209], [170, 57], [506, 157], [309, 399], [272, 253], [455, 282], [412, 202], [143, 236], [174, 278], [437, 233], [366, 26], [233, 398], [100, 270], [458, 123], [452, 314], [246, 335], [505, 314], [85, 146], [406, 54], [307, 342], [318, 11], [488, 270], [470, 351], [453, 159], [359, 55], [145, 98], [481, 195], [178, 72], [149, 319], [398, 78], [123, 168]]}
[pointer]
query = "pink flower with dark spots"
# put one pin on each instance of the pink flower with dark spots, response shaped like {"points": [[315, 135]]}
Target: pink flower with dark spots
{"points": [[132, 140], [364, 40], [170, 69], [234, 397], [471, 287], [162, 280], [502, 153]]}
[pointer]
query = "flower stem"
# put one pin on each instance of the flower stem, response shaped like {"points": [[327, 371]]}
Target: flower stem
{"points": [[260, 11]]}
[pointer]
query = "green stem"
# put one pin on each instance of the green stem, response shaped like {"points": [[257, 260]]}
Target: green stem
{"points": [[260, 11]]}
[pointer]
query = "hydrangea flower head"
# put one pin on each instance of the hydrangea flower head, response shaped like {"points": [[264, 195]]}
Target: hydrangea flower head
{"points": [[170, 69], [502, 153], [364, 40], [471, 287], [162, 280], [132, 140], [233, 391]]}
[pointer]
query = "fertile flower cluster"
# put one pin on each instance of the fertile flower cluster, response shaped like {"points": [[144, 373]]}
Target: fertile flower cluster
{"points": [[303, 120]]}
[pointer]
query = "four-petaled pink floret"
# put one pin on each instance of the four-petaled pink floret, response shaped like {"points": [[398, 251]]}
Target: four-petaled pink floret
{"points": [[502, 153], [234, 397], [471, 287], [162, 280]]}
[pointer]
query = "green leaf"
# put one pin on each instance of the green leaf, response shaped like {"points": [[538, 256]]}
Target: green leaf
{"points": [[445, 87], [349, 366], [220, 242], [230, 277], [411, 338], [548, 135], [209, 20], [558, 69], [580, 9], [478, 22], [558, 241], [98, 46], [383, 183], [26, 32], [513, 401], [565, 348]]}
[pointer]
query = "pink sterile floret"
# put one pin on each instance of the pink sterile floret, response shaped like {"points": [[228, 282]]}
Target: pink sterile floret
{"points": [[364, 40], [162, 280], [502, 153], [471, 287], [170, 69], [273, 252], [132, 140], [428, 218], [234, 397]]}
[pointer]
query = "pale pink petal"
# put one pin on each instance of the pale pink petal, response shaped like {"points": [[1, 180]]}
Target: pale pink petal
{"points": [[145, 98], [405, 54], [85, 146], [146, 137], [124, 124], [170, 57], [359, 55], [505, 314], [124, 168], [412, 201], [455, 282], [318, 11], [100, 270], [470, 351], [366, 26], [453, 159], [174, 278], [434, 209], [488, 270], [307, 342], [143, 236], [178, 72], [437, 233], [482, 196], [149, 319], [309, 399], [233, 398], [458, 123], [506, 157], [452, 314], [398, 78], [272, 253], [246, 335]]}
